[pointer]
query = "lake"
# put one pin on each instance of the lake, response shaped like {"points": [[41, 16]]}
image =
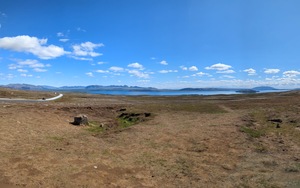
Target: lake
{"points": [[170, 93]]}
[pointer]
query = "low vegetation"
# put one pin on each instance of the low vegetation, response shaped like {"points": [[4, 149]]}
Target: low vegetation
{"points": [[143, 141]]}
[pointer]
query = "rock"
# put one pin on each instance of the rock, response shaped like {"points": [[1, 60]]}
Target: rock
{"points": [[277, 126], [80, 120], [147, 114], [122, 110], [275, 120]]}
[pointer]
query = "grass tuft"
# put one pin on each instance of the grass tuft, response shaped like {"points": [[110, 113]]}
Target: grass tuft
{"points": [[252, 132]]}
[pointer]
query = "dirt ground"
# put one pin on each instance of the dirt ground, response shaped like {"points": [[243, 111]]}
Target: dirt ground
{"points": [[187, 141]]}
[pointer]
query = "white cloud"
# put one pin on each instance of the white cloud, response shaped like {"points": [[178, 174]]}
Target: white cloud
{"points": [[116, 69], [226, 72], [29, 63], [26, 75], [31, 45], [291, 73], [64, 40], [201, 74], [90, 74], [271, 71], [39, 70], [102, 71], [82, 58], [250, 71], [167, 71], [228, 76], [184, 68], [136, 66], [22, 70], [138, 74], [163, 62], [60, 34], [86, 49], [219, 67], [101, 63], [193, 68]]}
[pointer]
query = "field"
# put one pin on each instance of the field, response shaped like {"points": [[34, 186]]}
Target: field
{"points": [[142, 141]]}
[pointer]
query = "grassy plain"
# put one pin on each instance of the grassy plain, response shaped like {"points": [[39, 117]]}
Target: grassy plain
{"points": [[183, 141]]}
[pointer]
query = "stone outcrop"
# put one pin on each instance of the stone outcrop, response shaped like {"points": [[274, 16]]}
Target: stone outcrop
{"points": [[81, 120]]}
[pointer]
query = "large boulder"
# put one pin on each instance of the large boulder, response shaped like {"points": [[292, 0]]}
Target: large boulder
{"points": [[81, 120]]}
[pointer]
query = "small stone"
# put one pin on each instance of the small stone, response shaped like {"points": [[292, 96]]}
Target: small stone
{"points": [[95, 167], [277, 126], [147, 114]]}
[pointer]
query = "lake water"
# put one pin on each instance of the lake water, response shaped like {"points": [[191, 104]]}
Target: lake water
{"points": [[170, 93]]}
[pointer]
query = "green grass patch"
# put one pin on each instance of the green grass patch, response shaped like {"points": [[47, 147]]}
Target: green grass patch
{"points": [[94, 127], [127, 122], [252, 132], [57, 138]]}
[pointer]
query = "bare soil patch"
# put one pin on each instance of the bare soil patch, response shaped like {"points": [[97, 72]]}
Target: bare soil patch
{"points": [[186, 141]]}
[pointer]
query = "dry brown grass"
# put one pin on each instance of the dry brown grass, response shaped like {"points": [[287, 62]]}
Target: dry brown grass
{"points": [[189, 141]]}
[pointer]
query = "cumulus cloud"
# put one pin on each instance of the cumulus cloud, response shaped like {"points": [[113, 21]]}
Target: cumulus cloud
{"points": [[86, 49], [271, 71], [291, 73], [138, 74], [193, 68], [250, 71], [163, 62], [219, 67], [116, 69], [184, 68], [31, 45], [136, 66], [167, 71]]}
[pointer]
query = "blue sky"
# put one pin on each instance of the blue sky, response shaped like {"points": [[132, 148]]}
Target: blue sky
{"points": [[157, 43]]}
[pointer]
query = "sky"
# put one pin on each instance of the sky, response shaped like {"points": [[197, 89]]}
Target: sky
{"points": [[151, 43]]}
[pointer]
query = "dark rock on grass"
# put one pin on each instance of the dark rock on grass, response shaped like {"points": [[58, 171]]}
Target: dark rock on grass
{"points": [[275, 120], [147, 114], [277, 126], [80, 120], [122, 110]]}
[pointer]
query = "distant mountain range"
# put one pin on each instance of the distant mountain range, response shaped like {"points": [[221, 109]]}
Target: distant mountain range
{"points": [[123, 87], [263, 88], [76, 88]]}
